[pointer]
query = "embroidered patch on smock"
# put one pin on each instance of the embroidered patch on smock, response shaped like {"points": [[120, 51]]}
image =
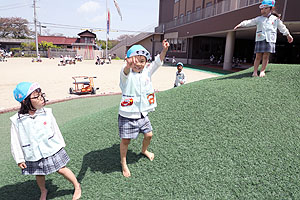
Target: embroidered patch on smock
{"points": [[151, 98], [127, 102]]}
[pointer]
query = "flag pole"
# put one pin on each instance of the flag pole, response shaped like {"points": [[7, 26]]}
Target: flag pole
{"points": [[106, 31], [35, 28]]}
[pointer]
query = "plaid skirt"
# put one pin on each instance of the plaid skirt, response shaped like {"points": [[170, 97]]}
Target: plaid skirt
{"points": [[47, 165], [130, 128], [264, 46]]}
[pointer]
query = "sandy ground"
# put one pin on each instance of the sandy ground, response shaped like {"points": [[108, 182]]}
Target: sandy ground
{"points": [[56, 80]]}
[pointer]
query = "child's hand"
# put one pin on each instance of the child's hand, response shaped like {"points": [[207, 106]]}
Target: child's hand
{"points": [[165, 44], [237, 26], [130, 64], [22, 165], [290, 38]]}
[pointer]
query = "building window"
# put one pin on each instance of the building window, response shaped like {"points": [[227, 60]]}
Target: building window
{"points": [[183, 45], [188, 15], [181, 18], [177, 44], [208, 9], [175, 21], [198, 12]]}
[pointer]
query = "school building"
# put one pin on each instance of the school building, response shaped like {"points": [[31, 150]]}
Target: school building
{"points": [[198, 29]]}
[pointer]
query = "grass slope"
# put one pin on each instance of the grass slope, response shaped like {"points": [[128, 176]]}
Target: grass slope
{"points": [[231, 137]]}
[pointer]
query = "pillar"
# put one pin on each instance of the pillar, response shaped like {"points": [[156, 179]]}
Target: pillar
{"points": [[229, 49]]}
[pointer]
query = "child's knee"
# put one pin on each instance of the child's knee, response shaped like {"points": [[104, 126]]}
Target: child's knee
{"points": [[259, 56], [148, 135], [61, 170], [125, 141], [266, 56]]}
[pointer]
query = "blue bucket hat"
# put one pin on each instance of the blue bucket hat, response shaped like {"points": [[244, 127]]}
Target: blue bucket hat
{"points": [[267, 4], [24, 89], [138, 50], [180, 63]]}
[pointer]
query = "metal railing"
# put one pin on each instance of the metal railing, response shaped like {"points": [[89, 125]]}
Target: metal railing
{"points": [[213, 10]]}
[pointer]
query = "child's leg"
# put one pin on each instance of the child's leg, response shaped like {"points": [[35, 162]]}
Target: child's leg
{"points": [[68, 174], [123, 153], [146, 142], [41, 183], [256, 63], [264, 64]]}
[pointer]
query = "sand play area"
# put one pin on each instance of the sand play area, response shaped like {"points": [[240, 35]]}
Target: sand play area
{"points": [[56, 80]]}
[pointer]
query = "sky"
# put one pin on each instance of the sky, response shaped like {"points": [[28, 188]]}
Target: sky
{"points": [[79, 15]]}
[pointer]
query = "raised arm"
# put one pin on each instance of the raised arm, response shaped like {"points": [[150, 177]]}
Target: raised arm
{"points": [[165, 45]]}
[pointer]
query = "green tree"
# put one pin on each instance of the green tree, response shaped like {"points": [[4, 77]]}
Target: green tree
{"points": [[43, 45], [28, 46], [111, 43]]}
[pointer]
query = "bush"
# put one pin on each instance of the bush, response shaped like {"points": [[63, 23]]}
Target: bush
{"points": [[117, 58], [15, 49]]}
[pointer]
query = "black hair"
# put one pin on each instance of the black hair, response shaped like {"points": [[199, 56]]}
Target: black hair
{"points": [[26, 104], [275, 13]]}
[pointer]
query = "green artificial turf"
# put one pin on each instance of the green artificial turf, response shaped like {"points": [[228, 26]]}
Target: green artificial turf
{"points": [[230, 137], [206, 69]]}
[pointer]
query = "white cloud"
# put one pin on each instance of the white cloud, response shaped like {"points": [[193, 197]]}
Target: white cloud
{"points": [[88, 7]]}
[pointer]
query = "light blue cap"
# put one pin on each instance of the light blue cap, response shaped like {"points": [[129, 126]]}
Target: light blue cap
{"points": [[24, 89], [138, 50], [267, 3], [180, 63]]}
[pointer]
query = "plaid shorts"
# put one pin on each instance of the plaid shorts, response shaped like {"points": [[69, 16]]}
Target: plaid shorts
{"points": [[130, 128], [47, 165], [264, 46]]}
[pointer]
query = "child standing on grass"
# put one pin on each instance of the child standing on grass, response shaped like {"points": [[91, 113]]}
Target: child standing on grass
{"points": [[266, 34], [137, 99], [37, 144], [180, 76]]}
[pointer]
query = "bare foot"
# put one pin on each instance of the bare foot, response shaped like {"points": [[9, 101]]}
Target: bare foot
{"points": [[43, 195], [262, 74], [149, 155], [254, 74], [77, 192], [125, 170]]}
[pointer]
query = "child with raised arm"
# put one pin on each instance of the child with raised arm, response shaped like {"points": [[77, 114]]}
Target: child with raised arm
{"points": [[266, 34], [37, 144], [138, 99]]}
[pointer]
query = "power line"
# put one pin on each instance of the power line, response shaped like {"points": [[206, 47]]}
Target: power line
{"points": [[54, 25], [14, 7]]}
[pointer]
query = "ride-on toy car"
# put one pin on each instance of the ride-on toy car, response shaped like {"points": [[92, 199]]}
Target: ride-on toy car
{"points": [[83, 85]]}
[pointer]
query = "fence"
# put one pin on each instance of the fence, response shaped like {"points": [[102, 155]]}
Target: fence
{"points": [[56, 53]]}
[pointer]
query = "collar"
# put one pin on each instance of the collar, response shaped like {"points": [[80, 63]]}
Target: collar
{"points": [[27, 115]]}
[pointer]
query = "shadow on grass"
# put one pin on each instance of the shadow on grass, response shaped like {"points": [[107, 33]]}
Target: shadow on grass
{"points": [[105, 161], [30, 190], [239, 76]]}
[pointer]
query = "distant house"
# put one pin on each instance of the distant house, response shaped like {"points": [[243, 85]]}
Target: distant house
{"points": [[85, 45], [61, 41], [8, 43]]}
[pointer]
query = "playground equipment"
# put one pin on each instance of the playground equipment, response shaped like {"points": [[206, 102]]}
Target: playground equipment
{"points": [[83, 85]]}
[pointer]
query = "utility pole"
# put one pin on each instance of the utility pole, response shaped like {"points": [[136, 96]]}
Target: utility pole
{"points": [[35, 27], [40, 25]]}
